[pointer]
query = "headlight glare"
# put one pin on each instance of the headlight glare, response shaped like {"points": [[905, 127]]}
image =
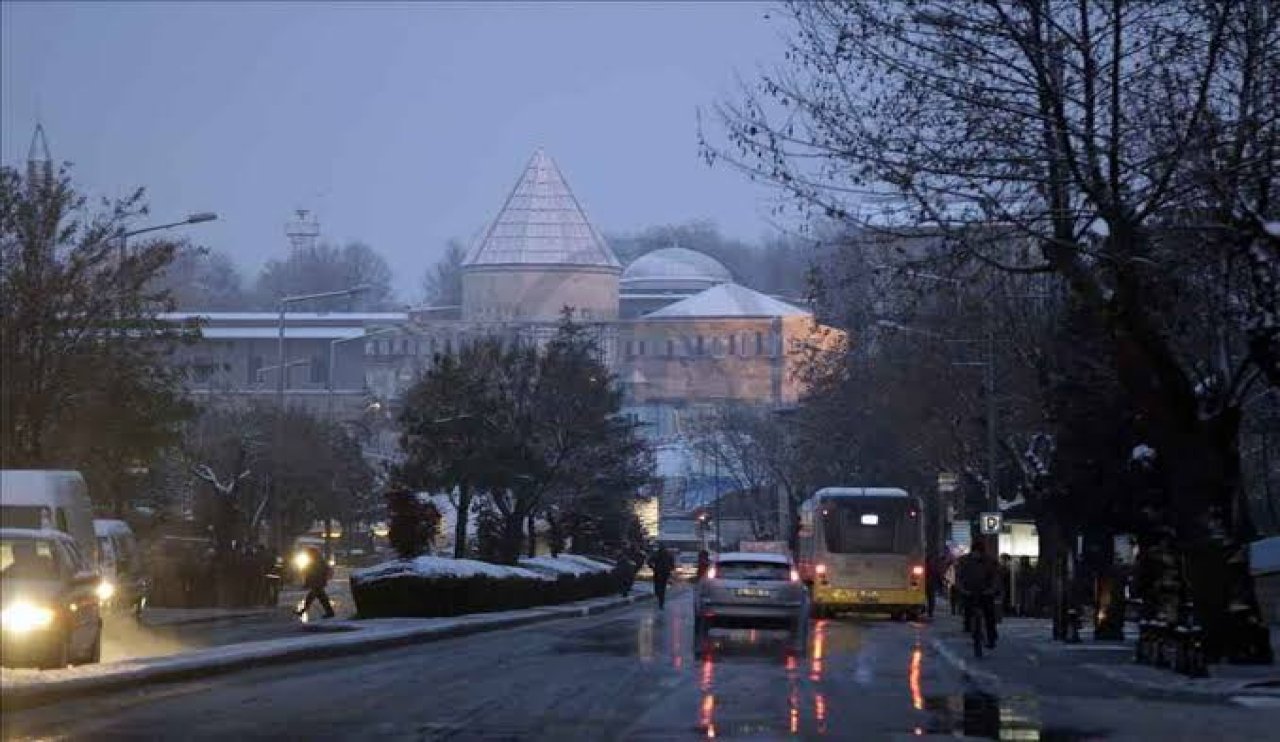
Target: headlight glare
{"points": [[105, 590], [23, 617]]}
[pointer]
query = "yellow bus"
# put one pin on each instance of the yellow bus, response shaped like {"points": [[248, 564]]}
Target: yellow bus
{"points": [[862, 549]]}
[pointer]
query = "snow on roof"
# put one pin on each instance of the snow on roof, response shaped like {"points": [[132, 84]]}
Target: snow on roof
{"points": [[432, 566], [674, 268], [290, 333], [565, 564], [273, 317], [1264, 556], [753, 556], [728, 300], [541, 223], [860, 492], [34, 534]]}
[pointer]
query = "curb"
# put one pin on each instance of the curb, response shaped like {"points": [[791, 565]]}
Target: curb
{"points": [[262, 613], [1221, 689], [224, 660]]}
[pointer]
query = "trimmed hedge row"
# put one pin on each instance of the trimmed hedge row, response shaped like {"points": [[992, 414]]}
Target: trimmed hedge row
{"points": [[418, 596]]}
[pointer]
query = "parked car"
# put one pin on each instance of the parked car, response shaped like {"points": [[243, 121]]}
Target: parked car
{"points": [[49, 614], [124, 575], [754, 589]]}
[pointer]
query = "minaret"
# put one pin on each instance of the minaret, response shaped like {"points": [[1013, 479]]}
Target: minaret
{"points": [[39, 163], [303, 231]]}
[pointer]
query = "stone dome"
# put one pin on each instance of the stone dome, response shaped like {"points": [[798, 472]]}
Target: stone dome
{"points": [[674, 269]]}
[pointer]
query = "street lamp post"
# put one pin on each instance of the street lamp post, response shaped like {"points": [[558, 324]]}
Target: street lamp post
{"points": [[333, 345], [196, 218], [284, 303]]}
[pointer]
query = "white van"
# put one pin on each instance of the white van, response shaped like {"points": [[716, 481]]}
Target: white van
{"points": [[44, 499]]}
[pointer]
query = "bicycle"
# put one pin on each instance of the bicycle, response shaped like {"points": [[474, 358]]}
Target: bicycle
{"points": [[976, 619]]}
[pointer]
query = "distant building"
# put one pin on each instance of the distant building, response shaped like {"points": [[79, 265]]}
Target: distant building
{"points": [[677, 331]]}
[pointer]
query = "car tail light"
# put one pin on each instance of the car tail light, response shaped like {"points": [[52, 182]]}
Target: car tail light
{"points": [[917, 571], [795, 575], [711, 573], [821, 569]]}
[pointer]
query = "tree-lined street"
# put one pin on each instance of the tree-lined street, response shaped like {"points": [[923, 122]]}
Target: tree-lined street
{"points": [[632, 675]]}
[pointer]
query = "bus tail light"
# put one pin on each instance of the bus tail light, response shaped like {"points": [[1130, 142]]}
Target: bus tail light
{"points": [[917, 573], [821, 571], [795, 575]]}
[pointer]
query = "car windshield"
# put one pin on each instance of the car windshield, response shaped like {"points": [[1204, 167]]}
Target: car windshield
{"points": [[745, 570], [28, 558]]}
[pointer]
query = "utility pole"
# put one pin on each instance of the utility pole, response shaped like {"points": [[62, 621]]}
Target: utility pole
{"points": [[993, 499]]}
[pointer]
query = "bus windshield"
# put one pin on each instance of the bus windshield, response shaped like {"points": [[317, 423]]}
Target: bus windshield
{"points": [[869, 526]]}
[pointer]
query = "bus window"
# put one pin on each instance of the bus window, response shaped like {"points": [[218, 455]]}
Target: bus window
{"points": [[851, 527]]}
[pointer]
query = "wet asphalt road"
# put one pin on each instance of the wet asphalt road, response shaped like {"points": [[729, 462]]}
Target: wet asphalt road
{"points": [[625, 675]]}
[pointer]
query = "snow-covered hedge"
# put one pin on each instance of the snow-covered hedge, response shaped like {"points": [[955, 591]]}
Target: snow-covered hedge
{"points": [[439, 586]]}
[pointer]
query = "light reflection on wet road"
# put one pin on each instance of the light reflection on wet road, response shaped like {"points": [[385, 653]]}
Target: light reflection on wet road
{"points": [[627, 675]]}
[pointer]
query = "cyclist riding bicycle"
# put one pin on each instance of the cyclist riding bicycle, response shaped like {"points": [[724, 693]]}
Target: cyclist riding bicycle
{"points": [[978, 579]]}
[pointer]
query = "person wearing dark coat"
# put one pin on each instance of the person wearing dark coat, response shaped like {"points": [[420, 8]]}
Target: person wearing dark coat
{"points": [[315, 579], [704, 564], [663, 564]]}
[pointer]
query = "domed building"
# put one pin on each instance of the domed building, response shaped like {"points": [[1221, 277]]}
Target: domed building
{"points": [[662, 277], [539, 255]]}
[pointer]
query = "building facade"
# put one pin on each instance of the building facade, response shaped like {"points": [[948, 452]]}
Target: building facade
{"points": [[680, 335]]}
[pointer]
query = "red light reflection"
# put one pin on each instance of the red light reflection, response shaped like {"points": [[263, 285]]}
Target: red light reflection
{"points": [[913, 679]]}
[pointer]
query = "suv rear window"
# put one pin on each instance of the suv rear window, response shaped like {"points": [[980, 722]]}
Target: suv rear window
{"points": [[753, 571]]}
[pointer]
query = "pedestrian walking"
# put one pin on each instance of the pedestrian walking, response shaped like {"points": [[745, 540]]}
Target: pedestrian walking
{"points": [[933, 573], [625, 571], [316, 576], [704, 564], [978, 578], [662, 564]]}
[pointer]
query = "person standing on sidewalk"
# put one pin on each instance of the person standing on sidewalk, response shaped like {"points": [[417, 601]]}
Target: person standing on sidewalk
{"points": [[933, 571], [978, 577], [316, 579], [662, 564], [704, 564]]}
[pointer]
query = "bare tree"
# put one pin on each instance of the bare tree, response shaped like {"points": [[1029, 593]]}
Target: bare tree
{"points": [[1082, 139]]}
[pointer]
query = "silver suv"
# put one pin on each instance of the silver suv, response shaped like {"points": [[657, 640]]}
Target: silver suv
{"points": [[751, 589]]}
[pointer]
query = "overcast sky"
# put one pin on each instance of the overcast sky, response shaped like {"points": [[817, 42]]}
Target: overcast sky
{"points": [[398, 124]]}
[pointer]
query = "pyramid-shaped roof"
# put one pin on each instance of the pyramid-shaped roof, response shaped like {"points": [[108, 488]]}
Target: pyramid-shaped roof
{"points": [[541, 223], [728, 300]]}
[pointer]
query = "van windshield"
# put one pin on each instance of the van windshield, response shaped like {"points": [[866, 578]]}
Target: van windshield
{"points": [[34, 517]]}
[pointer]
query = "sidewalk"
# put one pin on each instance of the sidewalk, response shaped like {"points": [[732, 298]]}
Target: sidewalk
{"points": [[21, 688], [1026, 650]]}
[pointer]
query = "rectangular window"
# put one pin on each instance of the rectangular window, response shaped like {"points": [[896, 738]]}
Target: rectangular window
{"points": [[631, 348], [319, 371], [641, 350], [701, 347], [733, 345], [255, 365], [759, 344], [671, 348]]}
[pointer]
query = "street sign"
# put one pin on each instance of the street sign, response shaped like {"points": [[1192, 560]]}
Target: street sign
{"points": [[989, 523], [947, 482]]}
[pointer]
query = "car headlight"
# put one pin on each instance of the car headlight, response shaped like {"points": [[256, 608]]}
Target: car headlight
{"points": [[301, 561], [105, 590], [21, 618]]}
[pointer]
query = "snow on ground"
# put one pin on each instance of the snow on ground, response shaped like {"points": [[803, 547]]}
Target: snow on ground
{"points": [[433, 566], [565, 564]]}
